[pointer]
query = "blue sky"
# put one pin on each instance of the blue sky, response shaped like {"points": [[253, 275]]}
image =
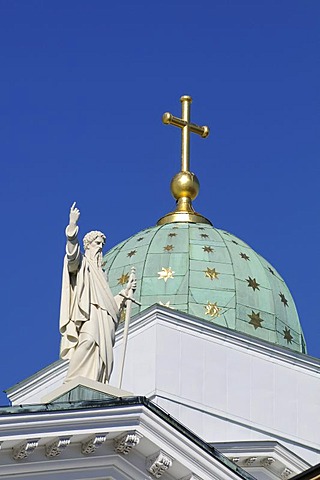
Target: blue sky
{"points": [[83, 87]]}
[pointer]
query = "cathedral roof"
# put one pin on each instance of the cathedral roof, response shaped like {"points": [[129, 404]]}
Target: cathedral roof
{"points": [[209, 273], [186, 264]]}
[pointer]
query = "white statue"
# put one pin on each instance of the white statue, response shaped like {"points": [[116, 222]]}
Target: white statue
{"points": [[89, 313]]}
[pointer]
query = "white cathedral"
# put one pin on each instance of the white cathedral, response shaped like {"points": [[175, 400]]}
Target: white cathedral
{"points": [[216, 383]]}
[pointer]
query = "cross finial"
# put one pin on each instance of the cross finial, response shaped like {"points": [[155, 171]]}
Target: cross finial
{"points": [[186, 127], [184, 185]]}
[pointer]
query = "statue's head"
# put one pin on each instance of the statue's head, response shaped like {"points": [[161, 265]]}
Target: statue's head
{"points": [[94, 242]]}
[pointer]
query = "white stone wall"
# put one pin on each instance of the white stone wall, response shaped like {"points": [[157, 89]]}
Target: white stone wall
{"points": [[224, 386]]}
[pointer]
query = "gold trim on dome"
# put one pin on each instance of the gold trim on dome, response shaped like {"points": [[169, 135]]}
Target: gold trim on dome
{"points": [[189, 217]]}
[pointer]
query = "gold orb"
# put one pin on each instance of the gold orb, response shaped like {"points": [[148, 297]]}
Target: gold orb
{"points": [[185, 184]]}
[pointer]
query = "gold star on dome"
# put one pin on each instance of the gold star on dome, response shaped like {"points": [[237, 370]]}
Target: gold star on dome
{"points": [[252, 282], [172, 234], [201, 228], [168, 248], [211, 273], [283, 299], [212, 309], [287, 335], [236, 243], [204, 235], [207, 249], [167, 304], [255, 320], [123, 279], [139, 239], [175, 228], [244, 256], [165, 274], [271, 271], [133, 252]]}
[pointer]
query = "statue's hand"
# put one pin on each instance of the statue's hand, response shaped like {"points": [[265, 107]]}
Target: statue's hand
{"points": [[74, 214], [132, 282]]}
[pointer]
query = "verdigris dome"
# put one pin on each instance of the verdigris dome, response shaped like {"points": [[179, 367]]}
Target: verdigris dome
{"points": [[186, 264], [209, 273]]}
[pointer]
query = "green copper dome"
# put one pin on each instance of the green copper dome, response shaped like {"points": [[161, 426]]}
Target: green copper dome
{"points": [[209, 273]]}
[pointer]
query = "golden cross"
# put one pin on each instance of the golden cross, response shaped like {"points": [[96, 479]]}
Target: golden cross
{"points": [[186, 127]]}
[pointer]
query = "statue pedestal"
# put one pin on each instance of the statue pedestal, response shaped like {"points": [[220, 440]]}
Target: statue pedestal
{"points": [[83, 389]]}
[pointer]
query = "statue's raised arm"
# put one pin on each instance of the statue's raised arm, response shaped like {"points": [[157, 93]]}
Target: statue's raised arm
{"points": [[89, 313], [73, 254]]}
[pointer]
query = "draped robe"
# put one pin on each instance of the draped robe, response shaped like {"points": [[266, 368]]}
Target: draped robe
{"points": [[89, 315]]}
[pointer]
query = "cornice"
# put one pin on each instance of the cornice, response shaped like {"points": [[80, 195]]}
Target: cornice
{"points": [[184, 322], [46, 432], [210, 330]]}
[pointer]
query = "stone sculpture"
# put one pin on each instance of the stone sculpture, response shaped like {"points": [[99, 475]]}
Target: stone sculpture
{"points": [[89, 313]]}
